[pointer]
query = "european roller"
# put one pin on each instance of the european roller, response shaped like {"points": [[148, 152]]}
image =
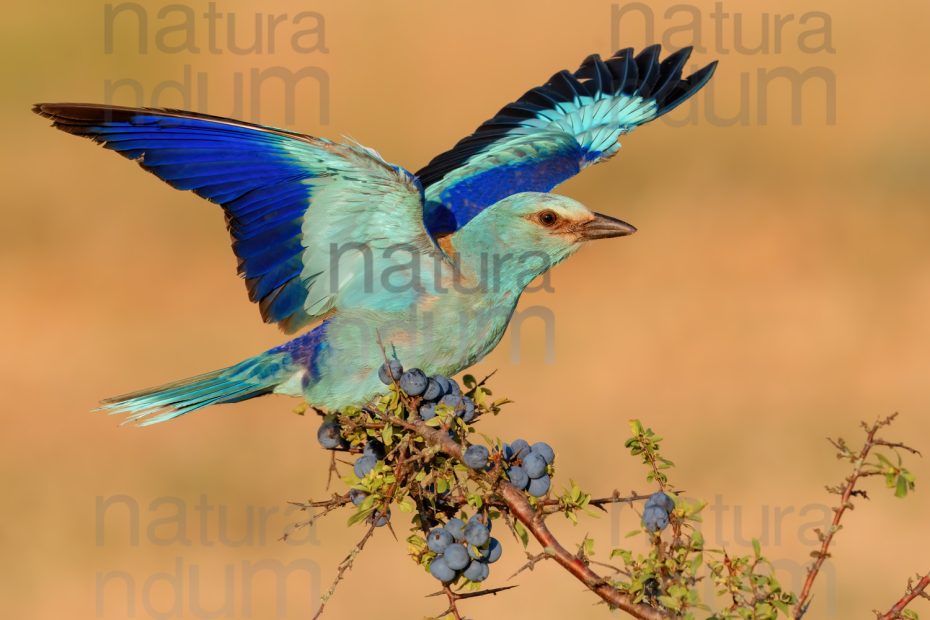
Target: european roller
{"points": [[364, 257]]}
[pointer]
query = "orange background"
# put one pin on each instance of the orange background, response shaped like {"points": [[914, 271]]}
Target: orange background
{"points": [[778, 292]]}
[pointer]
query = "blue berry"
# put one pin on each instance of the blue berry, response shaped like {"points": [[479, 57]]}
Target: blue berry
{"points": [[518, 477], [494, 551], [443, 384], [380, 519], [374, 448], [655, 518], [440, 569], [661, 500], [489, 553], [476, 571], [469, 413], [534, 464], [456, 527], [544, 450], [427, 411], [330, 436], [438, 539], [390, 372], [454, 388], [476, 457], [413, 382], [520, 448], [477, 533], [364, 465], [453, 401], [433, 390], [456, 557], [538, 486], [357, 496]]}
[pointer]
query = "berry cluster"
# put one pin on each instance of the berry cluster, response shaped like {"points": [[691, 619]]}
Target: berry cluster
{"points": [[528, 466], [656, 511], [463, 549], [434, 391]]}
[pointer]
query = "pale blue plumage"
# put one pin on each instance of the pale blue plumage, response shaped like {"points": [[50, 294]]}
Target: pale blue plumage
{"points": [[430, 266]]}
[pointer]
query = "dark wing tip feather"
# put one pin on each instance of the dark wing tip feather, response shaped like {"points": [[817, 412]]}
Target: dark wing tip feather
{"points": [[682, 90], [624, 73]]}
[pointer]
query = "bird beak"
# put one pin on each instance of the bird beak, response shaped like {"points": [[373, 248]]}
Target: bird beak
{"points": [[603, 227]]}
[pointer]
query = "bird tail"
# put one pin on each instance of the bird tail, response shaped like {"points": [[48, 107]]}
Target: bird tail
{"points": [[253, 377]]}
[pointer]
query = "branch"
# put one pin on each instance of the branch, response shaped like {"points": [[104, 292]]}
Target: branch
{"points": [[846, 491], [520, 508], [913, 591]]}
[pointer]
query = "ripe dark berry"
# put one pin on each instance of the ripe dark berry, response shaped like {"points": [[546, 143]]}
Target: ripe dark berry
{"points": [[661, 500], [655, 519], [329, 435], [374, 448], [534, 464], [427, 411], [489, 553], [456, 527], [544, 450], [364, 465], [413, 382], [454, 402], [539, 486], [476, 571], [433, 390], [477, 533], [439, 569], [443, 384], [476, 457], [520, 448], [438, 539], [390, 372], [357, 496], [456, 557], [380, 519], [518, 477], [494, 551], [468, 414]]}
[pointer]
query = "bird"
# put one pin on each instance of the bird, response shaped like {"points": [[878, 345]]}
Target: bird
{"points": [[365, 259]]}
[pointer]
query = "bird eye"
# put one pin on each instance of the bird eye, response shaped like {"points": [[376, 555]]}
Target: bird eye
{"points": [[548, 218]]}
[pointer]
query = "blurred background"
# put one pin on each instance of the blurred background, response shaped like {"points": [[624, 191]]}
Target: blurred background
{"points": [[778, 292]]}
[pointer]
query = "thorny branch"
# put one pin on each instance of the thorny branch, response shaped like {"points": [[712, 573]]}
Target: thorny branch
{"points": [[913, 591], [861, 468]]}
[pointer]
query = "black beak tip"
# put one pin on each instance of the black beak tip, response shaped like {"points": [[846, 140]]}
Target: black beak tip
{"points": [[606, 227]]}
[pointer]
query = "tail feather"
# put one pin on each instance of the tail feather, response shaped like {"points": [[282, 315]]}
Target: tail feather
{"points": [[253, 377]]}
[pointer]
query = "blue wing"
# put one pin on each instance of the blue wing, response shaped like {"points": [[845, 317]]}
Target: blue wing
{"points": [[553, 131], [287, 197]]}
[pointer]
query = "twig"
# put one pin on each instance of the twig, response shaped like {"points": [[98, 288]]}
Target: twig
{"points": [[344, 566], [531, 562], [913, 591], [846, 491], [525, 513]]}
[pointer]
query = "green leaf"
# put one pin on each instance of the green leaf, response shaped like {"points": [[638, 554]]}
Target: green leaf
{"points": [[756, 548], [521, 533], [901, 487]]}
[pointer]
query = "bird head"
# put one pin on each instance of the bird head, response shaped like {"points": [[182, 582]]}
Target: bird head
{"points": [[538, 229]]}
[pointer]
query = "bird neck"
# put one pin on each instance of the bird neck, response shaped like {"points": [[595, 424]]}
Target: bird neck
{"points": [[486, 262]]}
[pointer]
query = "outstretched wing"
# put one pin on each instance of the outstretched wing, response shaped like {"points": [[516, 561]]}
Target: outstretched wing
{"points": [[553, 131], [292, 202]]}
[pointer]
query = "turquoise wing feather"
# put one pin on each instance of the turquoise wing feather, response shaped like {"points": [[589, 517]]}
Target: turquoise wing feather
{"points": [[290, 200], [554, 131]]}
